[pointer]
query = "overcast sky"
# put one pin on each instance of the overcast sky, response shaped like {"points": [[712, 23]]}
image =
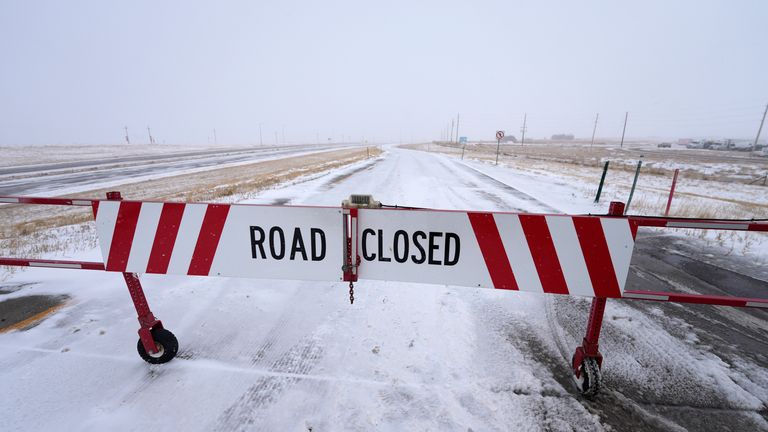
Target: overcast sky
{"points": [[78, 72]]}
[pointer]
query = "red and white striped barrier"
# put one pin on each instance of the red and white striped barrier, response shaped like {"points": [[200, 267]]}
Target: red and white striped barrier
{"points": [[577, 255], [269, 242], [552, 254]]}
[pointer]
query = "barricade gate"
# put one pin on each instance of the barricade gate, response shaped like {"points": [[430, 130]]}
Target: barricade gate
{"points": [[582, 255]]}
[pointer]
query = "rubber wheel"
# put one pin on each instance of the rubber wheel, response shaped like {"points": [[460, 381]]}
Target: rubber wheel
{"points": [[167, 346], [591, 379]]}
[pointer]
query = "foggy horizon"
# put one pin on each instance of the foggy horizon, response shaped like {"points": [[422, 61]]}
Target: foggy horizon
{"points": [[79, 72]]}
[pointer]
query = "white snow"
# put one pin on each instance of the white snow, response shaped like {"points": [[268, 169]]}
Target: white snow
{"points": [[291, 356]]}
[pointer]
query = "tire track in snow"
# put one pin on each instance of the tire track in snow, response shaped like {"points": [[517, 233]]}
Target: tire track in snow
{"points": [[250, 407]]}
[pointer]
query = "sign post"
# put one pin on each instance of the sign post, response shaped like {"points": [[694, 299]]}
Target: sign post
{"points": [[499, 136]]}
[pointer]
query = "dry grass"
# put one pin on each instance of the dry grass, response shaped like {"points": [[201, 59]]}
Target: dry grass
{"points": [[734, 167]]}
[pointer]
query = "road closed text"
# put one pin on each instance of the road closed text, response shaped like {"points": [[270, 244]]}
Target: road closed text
{"points": [[419, 247], [293, 245]]}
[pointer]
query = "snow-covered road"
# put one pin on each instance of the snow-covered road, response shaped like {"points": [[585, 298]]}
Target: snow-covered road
{"points": [[288, 356]]}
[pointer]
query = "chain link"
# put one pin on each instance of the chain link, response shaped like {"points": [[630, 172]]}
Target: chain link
{"points": [[351, 293]]}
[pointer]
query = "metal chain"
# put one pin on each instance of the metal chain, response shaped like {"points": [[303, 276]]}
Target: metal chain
{"points": [[351, 293]]}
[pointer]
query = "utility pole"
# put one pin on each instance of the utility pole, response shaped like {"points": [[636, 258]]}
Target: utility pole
{"points": [[215, 139], [127, 139], [283, 135], [149, 132], [450, 141], [261, 138], [626, 115], [458, 117], [760, 129], [594, 129], [523, 129]]}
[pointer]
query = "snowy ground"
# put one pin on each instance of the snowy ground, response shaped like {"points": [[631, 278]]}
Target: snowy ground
{"points": [[286, 355]]}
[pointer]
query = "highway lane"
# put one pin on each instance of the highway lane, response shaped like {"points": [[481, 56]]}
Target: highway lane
{"points": [[49, 179]]}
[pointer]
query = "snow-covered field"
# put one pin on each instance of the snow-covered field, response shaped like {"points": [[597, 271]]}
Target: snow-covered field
{"points": [[292, 356]]}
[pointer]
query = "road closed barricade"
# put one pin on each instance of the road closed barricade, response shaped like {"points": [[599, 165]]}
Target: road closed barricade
{"points": [[581, 255]]}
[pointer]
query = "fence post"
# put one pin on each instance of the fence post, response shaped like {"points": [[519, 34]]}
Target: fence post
{"points": [[602, 179], [671, 192], [634, 183]]}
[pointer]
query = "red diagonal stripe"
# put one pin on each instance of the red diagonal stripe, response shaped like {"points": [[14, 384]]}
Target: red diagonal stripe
{"points": [[122, 238], [208, 240], [544, 254], [165, 237], [489, 240], [596, 256]]}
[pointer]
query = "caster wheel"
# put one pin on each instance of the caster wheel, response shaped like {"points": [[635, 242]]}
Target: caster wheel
{"points": [[590, 379], [167, 346]]}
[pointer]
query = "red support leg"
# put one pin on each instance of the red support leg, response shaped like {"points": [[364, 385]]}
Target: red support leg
{"points": [[587, 361], [147, 320], [589, 346]]}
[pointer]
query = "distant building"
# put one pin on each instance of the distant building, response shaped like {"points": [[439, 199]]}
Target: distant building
{"points": [[562, 137], [685, 141], [509, 138]]}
